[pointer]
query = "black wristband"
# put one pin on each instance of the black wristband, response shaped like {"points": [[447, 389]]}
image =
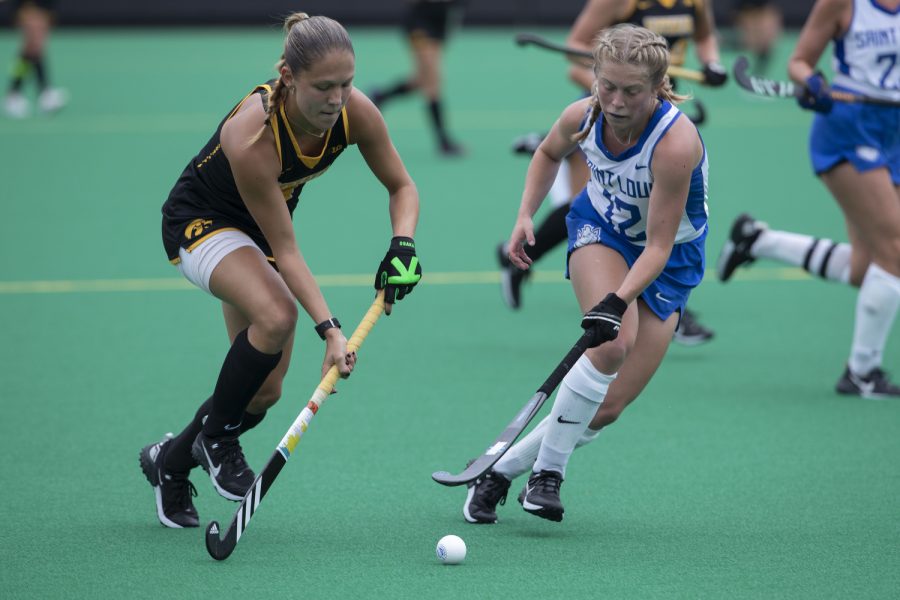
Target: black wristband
{"points": [[327, 324], [616, 303]]}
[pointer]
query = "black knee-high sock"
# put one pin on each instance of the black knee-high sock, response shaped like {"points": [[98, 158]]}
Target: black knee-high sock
{"points": [[436, 111], [551, 232], [40, 73], [250, 421], [20, 70], [178, 452], [243, 372], [401, 88]]}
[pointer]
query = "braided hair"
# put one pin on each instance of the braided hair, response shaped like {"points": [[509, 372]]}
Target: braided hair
{"points": [[628, 44]]}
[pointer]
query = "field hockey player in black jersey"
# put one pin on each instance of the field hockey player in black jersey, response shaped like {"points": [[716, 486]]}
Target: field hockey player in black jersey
{"points": [[227, 226]]}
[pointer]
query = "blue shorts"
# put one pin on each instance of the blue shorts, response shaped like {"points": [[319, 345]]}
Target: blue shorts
{"points": [[865, 135], [682, 273]]}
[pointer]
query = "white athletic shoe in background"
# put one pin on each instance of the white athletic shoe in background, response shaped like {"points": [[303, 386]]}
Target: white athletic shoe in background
{"points": [[52, 100], [15, 105]]}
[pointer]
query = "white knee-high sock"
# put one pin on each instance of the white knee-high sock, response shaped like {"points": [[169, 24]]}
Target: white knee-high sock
{"points": [[820, 257], [581, 392], [520, 458], [876, 307]]}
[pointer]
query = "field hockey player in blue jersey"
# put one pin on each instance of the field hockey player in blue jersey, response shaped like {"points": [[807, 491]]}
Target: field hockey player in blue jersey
{"points": [[635, 252], [855, 150], [680, 22]]}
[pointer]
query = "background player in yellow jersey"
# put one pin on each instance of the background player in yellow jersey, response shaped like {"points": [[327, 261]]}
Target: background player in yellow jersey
{"points": [[678, 21], [228, 220]]}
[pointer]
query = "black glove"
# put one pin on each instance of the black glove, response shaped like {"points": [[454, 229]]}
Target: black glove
{"points": [[816, 94], [605, 319], [399, 271], [714, 74]]}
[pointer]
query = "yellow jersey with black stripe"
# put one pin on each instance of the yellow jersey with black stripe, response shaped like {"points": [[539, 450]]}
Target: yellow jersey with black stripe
{"points": [[675, 20], [206, 201]]}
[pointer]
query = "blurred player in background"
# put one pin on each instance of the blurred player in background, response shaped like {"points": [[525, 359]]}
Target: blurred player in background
{"points": [[35, 19], [678, 21], [639, 247], [855, 151], [227, 224], [759, 24], [427, 24]]}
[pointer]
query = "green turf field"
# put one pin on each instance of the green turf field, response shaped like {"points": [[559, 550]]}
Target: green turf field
{"points": [[738, 473]]}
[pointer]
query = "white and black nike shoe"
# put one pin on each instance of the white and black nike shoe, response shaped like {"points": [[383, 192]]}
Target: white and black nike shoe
{"points": [[224, 460], [736, 252], [541, 495], [174, 491], [528, 143], [873, 386], [484, 494]]}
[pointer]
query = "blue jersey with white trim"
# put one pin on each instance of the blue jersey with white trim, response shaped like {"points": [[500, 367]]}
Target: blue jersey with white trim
{"points": [[620, 185], [867, 56]]}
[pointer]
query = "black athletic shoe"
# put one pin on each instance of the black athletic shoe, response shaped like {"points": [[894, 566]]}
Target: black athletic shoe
{"points": [[484, 494], [527, 144], [736, 252], [691, 332], [874, 386], [541, 495], [451, 149], [511, 279], [224, 460], [174, 491]]}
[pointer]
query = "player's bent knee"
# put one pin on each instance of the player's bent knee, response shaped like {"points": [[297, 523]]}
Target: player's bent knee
{"points": [[278, 322]]}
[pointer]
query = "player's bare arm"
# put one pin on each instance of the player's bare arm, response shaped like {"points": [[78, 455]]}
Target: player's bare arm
{"points": [[593, 18], [705, 41], [555, 147], [827, 21], [369, 132]]}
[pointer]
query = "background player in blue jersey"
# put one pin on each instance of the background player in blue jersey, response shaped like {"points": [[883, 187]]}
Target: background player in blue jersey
{"points": [[228, 221], [636, 241], [680, 22], [855, 150]]}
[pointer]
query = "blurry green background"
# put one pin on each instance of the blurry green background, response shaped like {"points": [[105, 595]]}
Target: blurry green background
{"points": [[739, 473]]}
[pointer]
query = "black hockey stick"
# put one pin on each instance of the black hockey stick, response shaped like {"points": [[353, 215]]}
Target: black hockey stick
{"points": [[771, 88], [480, 465], [221, 548], [524, 39]]}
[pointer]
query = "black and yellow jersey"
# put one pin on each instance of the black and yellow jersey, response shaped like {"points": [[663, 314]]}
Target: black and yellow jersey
{"points": [[206, 201], [675, 20]]}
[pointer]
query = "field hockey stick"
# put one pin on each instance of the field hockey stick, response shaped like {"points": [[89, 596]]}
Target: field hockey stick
{"points": [[525, 39], [770, 88], [221, 548], [480, 465]]}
